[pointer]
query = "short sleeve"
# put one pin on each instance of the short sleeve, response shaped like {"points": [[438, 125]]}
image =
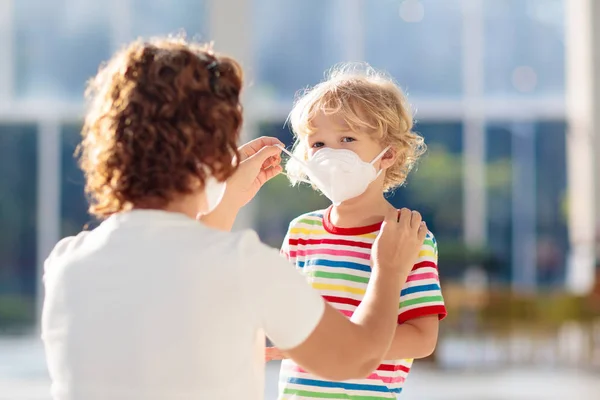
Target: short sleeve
{"points": [[285, 250], [289, 246], [421, 296], [288, 308]]}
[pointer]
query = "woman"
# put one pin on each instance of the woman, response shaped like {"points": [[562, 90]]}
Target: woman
{"points": [[153, 304]]}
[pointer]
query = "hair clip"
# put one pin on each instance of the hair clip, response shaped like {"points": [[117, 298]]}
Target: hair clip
{"points": [[214, 75]]}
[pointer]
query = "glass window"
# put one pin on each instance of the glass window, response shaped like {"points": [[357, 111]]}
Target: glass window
{"points": [[59, 45], [551, 241], [295, 43], [524, 47], [499, 198], [551, 187], [435, 189], [418, 42], [74, 216], [18, 241], [163, 17]]}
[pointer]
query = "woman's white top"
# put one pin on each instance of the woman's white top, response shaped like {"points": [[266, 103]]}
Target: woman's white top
{"points": [[155, 305]]}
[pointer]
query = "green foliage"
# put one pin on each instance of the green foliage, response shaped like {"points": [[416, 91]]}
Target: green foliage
{"points": [[456, 257], [278, 203], [438, 184], [505, 309], [16, 312], [280, 195]]}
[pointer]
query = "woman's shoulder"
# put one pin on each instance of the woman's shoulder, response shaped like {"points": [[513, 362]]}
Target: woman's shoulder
{"points": [[64, 248], [67, 244]]}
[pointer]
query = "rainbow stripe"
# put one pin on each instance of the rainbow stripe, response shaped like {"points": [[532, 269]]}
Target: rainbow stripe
{"points": [[336, 262]]}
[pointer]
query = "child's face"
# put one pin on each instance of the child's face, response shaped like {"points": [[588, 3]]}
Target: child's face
{"points": [[330, 131]]}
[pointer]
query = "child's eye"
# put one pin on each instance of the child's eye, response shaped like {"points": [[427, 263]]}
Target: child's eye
{"points": [[348, 139], [316, 145]]}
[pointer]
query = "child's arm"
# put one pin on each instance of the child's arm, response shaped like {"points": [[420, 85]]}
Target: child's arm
{"points": [[421, 307], [416, 338], [273, 353]]}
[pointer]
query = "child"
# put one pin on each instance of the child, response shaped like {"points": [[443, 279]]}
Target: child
{"points": [[354, 143]]}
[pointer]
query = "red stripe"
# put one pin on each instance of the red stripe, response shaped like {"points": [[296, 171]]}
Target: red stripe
{"points": [[297, 368], [329, 227], [392, 367], [347, 313], [382, 367], [387, 379], [338, 242], [342, 300], [424, 264], [426, 311]]}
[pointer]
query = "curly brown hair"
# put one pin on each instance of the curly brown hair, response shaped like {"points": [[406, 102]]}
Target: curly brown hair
{"points": [[164, 114]]}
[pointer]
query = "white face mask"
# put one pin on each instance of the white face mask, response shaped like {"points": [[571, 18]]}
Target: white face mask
{"points": [[214, 192], [339, 173]]}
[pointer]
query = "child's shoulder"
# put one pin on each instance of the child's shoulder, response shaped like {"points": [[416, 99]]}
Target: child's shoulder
{"points": [[309, 218]]}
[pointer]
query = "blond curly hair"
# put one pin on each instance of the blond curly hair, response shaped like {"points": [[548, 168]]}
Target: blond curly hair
{"points": [[368, 101]]}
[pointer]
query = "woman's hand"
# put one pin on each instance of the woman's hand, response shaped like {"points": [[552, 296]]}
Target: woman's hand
{"points": [[260, 161]]}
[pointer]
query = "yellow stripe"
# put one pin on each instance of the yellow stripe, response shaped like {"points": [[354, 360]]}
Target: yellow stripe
{"points": [[337, 288], [426, 253], [309, 231]]}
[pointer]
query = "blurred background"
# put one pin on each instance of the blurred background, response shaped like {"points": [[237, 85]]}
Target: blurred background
{"points": [[505, 92]]}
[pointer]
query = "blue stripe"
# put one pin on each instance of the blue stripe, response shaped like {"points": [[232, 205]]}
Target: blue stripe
{"points": [[339, 385], [330, 263], [421, 288]]}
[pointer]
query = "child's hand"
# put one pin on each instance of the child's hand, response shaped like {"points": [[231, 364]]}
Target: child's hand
{"points": [[273, 353]]}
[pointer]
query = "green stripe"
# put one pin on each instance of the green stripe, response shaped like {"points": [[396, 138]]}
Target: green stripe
{"points": [[310, 222], [419, 300], [318, 395], [333, 275], [429, 242]]}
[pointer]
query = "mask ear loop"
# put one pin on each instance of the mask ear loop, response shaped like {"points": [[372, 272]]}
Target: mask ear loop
{"points": [[302, 162], [379, 156]]}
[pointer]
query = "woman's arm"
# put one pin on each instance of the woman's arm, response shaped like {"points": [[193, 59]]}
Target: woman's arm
{"points": [[413, 339]]}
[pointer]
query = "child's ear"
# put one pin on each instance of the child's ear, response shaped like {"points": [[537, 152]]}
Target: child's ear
{"points": [[389, 158]]}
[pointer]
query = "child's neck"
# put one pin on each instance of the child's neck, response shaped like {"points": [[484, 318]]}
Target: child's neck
{"points": [[364, 210]]}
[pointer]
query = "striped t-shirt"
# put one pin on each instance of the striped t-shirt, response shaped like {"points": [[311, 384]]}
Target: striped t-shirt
{"points": [[336, 261]]}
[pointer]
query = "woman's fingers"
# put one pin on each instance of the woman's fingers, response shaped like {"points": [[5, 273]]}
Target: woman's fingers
{"points": [[254, 146]]}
